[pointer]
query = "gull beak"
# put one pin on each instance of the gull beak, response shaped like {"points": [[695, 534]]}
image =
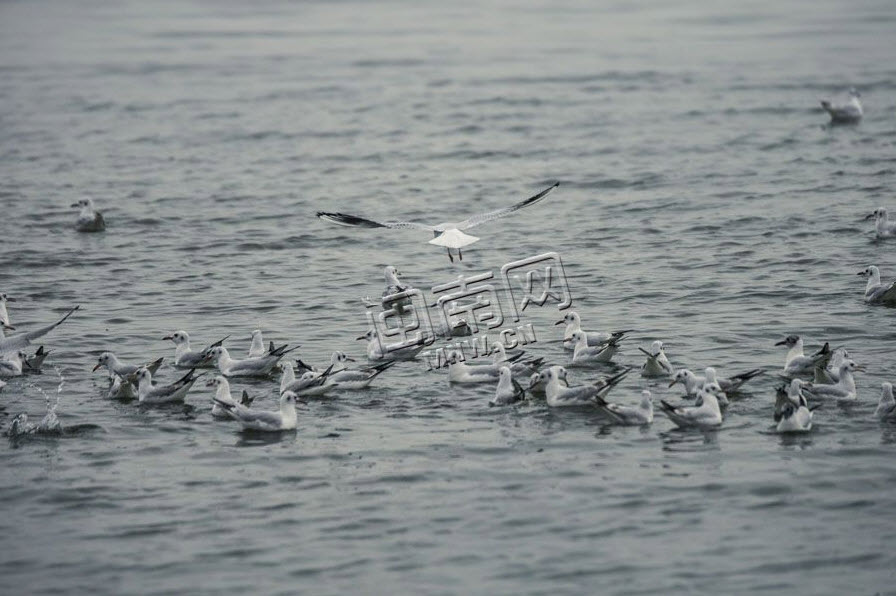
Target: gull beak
{"points": [[349, 359], [862, 273], [560, 322], [96, 367], [11, 300], [783, 342], [673, 382], [360, 338], [870, 216], [8, 326], [167, 337], [75, 205]]}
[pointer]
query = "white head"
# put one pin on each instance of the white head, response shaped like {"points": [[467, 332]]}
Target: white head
{"points": [[878, 214], [646, 400], [144, 376], [886, 393], [571, 318], [554, 374], [656, 347], [711, 375], [369, 336], [218, 352], [683, 376], [219, 382], [179, 338], [340, 358], [870, 271], [535, 380], [391, 274], [504, 377], [579, 337], [288, 401], [790, 341], [105, 359], [849, 366], [256, 334], [4, 298], [84, 204]]}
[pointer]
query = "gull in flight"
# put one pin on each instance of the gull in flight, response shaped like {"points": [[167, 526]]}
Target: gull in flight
{"points": [[657, 364], [283, 419], [706, 414], [845, 388], [884, 228], [792, 411], [797, 363], [250, 367], [847, 112], [508, 391], [558, 393], [448, 234], [185, 357], [147, 393], [89, 220], [876, 292], [595, 338], [886, 408], [639, 415], [19, 341]]}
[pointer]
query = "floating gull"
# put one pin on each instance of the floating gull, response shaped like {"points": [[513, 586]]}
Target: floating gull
{"points": [[121, 389], [711, 385], [584, 353], [797, 363], [448, 234], [657, 364], [846, 112], [508, 390], [886, 408], [395, 286], [639, 415], [519, 363], [733, 383], [185, 357], [706, 414], [537, 385], [559, 394], [222, 395], [831, 373], [574, 323], [257, 349], [876, 292], [148, 393], [347, 378], [123, 369], [89, 220], [845, 388], [283, 419], [310, 383], [250, 367], [375, 351], [460, 372], [884, 228], [792, 412], [20, 341]]}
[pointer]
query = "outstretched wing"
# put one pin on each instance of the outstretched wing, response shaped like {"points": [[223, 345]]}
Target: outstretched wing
{"points": [[354, 221], [489, 216]]}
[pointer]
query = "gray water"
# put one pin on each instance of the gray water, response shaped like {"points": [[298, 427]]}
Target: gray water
{"points": [[703, 201]]}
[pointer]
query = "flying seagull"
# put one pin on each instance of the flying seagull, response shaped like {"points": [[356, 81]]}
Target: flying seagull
{"points": [[449, 234]]}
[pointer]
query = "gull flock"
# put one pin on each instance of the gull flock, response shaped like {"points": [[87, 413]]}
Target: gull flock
{"points": [[517, 377]]}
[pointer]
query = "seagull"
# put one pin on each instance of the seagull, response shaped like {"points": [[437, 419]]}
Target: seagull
{"points": [[89, 220], [395, 286], [639, 415], [876, 292], [711, 385], [121, 389], [845, 388], [12, 365], [185, 357], [461, 372], [257, 349], [584, 353], [796, 363], [283, 419], [375, 351], [694, 384], [508, 391], [123, 369], [884, 228], [705, 415], [519, 363], [886, 408], [537, 385], [20, 341], [792, 412], [4, 314], [449, 234], [147, 393], [574, 323], [559, 394], [250, 367], [310, 383], [657, 364], [733, 383], [831, 373], [844, 113], [348, 378], [222, 395]]}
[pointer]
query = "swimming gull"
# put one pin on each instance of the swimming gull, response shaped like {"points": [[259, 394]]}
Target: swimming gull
{"points": [[705, 415], [883, 227], [147, 393], [508, 390], [638, 415], [846, 111], [89, 220], [875, 291], [185, 357], [282, 419], [249, 367], [657, 365], [558, 393], [886, 407], [797, 363], [844, 388], [792, 412], [585, 354], [595, 338]]}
